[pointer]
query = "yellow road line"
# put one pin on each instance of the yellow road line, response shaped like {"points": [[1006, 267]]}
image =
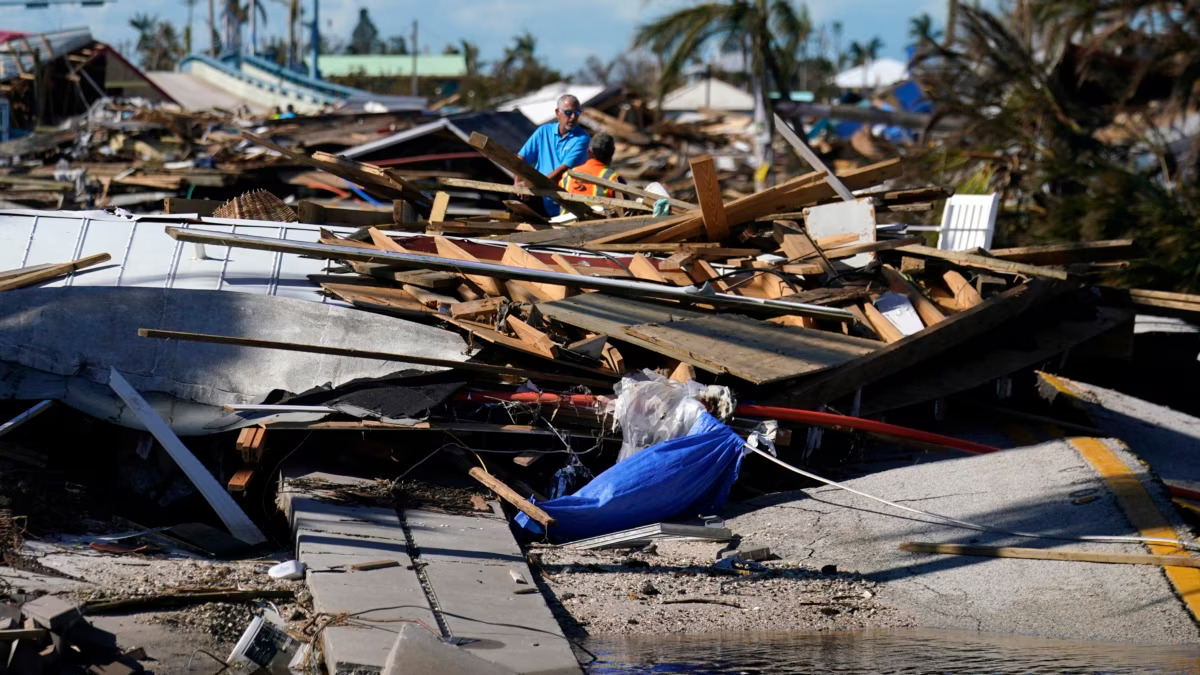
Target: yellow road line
{"points": [[1143, 513]]}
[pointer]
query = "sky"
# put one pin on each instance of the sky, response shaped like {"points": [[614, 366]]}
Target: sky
{"points": [[567, 33]]}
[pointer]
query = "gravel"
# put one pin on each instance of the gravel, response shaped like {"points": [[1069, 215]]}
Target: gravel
{"points": [[672, 587]]}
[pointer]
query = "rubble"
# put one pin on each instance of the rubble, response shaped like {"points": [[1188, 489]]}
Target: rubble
{"points": [[462, 345]]}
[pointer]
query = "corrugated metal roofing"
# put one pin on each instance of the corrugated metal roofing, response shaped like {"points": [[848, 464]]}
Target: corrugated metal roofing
{"points": [[144, 256], [17, 53]]}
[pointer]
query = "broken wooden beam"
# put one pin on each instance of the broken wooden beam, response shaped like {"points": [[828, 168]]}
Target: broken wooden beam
{"points": [[708, 193], [509, 495], [984, 262], [509, 161], [366, 354], [227, 510], [52, 272]]}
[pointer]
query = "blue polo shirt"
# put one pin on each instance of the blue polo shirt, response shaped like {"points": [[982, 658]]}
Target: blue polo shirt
{"points": [[546, 151]]}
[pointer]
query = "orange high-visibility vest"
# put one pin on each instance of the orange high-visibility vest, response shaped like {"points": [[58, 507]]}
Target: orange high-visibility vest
{"points": [[592, 168]]}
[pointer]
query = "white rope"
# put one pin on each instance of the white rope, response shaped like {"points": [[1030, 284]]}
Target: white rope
{"points": [[975, 526]]}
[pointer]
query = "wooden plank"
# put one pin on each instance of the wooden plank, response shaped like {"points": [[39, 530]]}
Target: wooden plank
{"points": [[609, 316], [381, 175], [317, 214], [708, 193], [240, 480], [448, 249], [960, 370], [798, 192], [507, 160], [441, 201], [373, 184], [926, 344], [380, 296], [1067, 254], [556, 194], [577, 235], [367, 354], [642, 268], [1052, 554], [251, 442], [964, 293], [507, 494], [928, 312], [631, 190], [536, 339], [885, 329], [755, 351], [528, 457], [984, 262], [516, 256], [839, 252], [22, 271], [236, 520], [830, 296], [200, 207], [806, 153], [52, 272], [476, 308], [707, 250], [24, 417]]}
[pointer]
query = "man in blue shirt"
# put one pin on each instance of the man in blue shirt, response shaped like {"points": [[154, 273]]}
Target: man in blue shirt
{"points": [[555, 147]]}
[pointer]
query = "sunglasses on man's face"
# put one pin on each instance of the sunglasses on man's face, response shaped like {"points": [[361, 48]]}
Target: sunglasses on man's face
{"points": [[570, 113]]}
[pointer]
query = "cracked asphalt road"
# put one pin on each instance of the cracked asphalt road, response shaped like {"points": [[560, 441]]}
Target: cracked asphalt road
{"points": [[1030, 488]]}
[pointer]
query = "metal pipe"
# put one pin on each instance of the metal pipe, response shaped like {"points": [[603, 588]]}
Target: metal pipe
{"points": [[703, 294]]}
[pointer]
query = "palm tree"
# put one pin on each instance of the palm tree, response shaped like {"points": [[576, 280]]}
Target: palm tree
{"points": [[235, 15], [293, 48], [863, 54], [187, 31], [760, 27], [921, 30]]}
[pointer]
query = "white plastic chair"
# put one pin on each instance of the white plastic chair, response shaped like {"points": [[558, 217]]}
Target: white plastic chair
{"points": [[968, 222]]}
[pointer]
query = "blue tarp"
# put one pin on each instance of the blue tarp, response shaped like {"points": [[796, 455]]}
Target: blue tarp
{"points": [[685, 477]]}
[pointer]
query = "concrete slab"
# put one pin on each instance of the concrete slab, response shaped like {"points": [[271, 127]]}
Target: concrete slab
{"points": [[1169, 440], [468, 560], [1046, 488], [370, 605]]}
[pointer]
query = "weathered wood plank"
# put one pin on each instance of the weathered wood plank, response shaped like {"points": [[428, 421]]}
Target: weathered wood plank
{"points": [[506, 159], [1066, 254], [984, 262], [921, 346], [708, 193], [756, 351]]}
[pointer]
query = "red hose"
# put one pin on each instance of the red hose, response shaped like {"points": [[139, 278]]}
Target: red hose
{"points": [[831, 420], [790, 414]]}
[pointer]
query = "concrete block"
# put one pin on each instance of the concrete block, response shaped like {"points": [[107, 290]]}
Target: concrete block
{"points": [[51, 612]]}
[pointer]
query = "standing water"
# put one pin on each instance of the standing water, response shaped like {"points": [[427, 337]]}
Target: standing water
{"points": [[881, 651]]}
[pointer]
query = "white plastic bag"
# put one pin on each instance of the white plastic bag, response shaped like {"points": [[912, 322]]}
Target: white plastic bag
{"points": [[650, 408]]}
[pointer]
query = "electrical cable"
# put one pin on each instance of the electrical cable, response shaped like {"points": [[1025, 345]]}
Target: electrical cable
{"points": [[966, 524]]}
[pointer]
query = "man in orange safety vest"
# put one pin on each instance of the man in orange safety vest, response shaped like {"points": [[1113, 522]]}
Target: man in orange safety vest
{"points": [[600, 152]]}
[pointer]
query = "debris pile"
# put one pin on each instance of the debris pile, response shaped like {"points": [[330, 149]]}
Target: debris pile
{"points": [[784, 312]]}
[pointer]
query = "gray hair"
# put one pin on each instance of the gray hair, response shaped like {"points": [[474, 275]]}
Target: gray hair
{"points": [[568, 97]]}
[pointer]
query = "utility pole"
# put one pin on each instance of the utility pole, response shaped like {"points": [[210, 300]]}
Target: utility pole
{"points": [[212, 30], [313, 71], [414, 58], [253, 27]]}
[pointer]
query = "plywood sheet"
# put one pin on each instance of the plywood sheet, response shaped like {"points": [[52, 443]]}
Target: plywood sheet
{"points": [[756, 351], [610, 315]]}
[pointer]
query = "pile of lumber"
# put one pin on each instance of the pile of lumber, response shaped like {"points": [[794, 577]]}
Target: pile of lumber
{"points": [[792, 295]]}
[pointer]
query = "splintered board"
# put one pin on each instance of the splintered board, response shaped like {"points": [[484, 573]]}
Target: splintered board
{"points": [[755, 351]]}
